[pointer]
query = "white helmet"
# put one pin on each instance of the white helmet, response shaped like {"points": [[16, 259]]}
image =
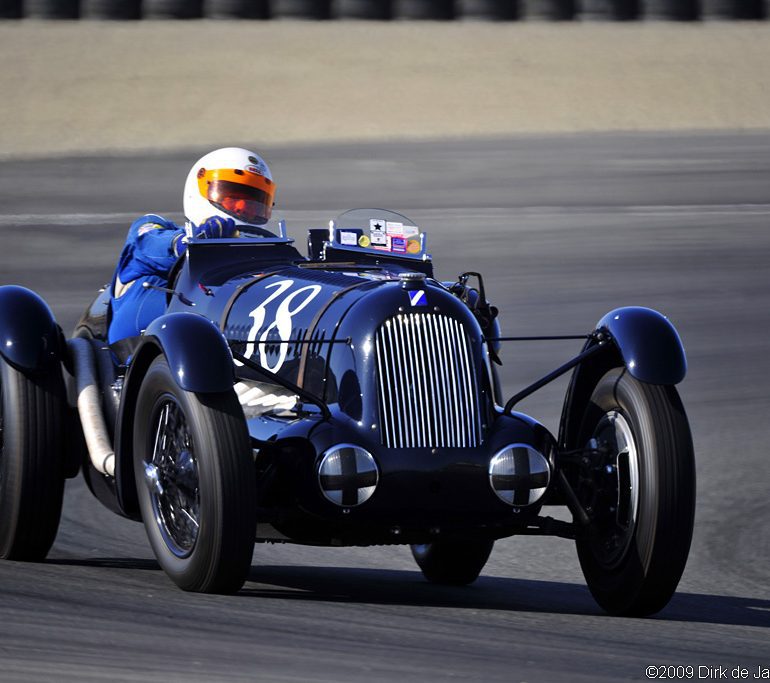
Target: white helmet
{"points": [[231, 183]]}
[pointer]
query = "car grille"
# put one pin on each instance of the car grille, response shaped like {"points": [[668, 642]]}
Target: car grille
{"points": [[428, 395]]}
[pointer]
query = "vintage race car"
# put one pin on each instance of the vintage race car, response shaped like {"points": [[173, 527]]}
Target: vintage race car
{"points": [[344, 398]]}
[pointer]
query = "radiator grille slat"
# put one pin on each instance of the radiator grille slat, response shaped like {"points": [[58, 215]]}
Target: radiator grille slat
{"points": [[427, 393]]}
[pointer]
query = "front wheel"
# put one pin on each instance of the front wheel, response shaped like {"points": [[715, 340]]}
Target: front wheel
{"points": [[195, 479], [455, 563], [639, 490]]}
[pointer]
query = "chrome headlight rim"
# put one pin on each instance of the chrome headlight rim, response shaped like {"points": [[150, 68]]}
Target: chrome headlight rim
{"points": [[514, 496], [361, 482]]}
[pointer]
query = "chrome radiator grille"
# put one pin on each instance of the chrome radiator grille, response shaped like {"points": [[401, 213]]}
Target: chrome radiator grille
{"points": [[428, 394]]}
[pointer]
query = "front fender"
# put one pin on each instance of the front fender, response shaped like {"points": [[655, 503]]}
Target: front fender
{"points": [[196, 351], [200, 360], [643, 341], [648, 344], [29, 335]]}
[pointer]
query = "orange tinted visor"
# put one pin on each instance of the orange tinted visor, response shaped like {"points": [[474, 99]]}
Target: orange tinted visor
{"points": [[248, 197]]}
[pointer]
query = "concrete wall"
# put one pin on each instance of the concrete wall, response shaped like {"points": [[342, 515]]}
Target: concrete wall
{"points": [[87, 86]]}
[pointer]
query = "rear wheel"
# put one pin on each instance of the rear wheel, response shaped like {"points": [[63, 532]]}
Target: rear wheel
{"points": [[455, 563], [31, 462], [639, 491], [195, 479]]}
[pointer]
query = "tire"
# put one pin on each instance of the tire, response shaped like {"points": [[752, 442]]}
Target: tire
{"points": [[195, 481], [425, 9], [553, 10], [301, 9], [237, 9], [52, 9], [31, 462], [172, 9], [381, 10], [10, 9], [111, 9], [734, 9], [641, 496], [676, 10], [492, 10], [617, 10], [454, 563]]}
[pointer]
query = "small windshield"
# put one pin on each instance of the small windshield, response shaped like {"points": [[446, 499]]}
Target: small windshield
{"points": [[379, 230]]}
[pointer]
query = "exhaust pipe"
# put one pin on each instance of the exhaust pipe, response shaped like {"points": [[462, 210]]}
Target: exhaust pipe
{"points": [[90, 407]]}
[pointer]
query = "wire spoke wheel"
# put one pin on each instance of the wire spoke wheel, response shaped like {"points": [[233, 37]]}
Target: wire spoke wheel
{"points": [[171, 476], [195, 482]]}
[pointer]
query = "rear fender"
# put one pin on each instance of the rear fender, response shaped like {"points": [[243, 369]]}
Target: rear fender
{"points": [[30, 339], [201, 362]]}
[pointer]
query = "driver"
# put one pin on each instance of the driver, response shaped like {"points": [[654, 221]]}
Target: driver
{"points": [[228, 191]]}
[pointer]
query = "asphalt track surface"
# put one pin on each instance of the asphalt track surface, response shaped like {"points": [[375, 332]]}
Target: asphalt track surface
{"points": [[565, 228]]}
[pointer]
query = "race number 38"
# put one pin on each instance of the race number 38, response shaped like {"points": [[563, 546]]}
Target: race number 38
{"points": [[292, 303]]}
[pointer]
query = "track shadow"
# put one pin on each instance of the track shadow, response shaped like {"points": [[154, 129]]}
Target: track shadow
{"points": [[107, 562], [399, 587], [718, 609], [408, 588]]}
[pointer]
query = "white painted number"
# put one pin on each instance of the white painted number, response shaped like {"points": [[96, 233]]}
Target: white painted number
{"points": [[258, 314], [282, 322]]}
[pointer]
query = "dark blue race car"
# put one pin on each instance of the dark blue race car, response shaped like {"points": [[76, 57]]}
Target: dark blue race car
{"points": [[344, 398]]}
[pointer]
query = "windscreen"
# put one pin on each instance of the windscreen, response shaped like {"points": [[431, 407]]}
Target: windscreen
{"points": [[379, 231]]}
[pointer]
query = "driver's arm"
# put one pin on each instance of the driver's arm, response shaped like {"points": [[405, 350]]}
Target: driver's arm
{"points": [[153, 245]]}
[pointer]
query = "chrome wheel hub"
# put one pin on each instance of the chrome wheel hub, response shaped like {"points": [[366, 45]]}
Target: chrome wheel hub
{"points": [[617, 503], [171, 477]]}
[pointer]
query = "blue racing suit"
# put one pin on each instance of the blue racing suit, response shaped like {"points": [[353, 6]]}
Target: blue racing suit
{"points": [[153, 245]]}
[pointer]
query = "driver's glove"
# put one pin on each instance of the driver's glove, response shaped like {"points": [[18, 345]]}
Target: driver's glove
{"points": [[216, 227]]}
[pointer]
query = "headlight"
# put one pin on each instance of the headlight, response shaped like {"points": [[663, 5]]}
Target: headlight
{"points": [[519, 475], [347, 475]]}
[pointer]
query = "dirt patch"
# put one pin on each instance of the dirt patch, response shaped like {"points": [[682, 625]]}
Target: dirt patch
{"points": [[88, 86]]}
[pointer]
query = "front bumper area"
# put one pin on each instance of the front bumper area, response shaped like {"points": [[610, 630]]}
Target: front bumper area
{"points": [[422, 494]]}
